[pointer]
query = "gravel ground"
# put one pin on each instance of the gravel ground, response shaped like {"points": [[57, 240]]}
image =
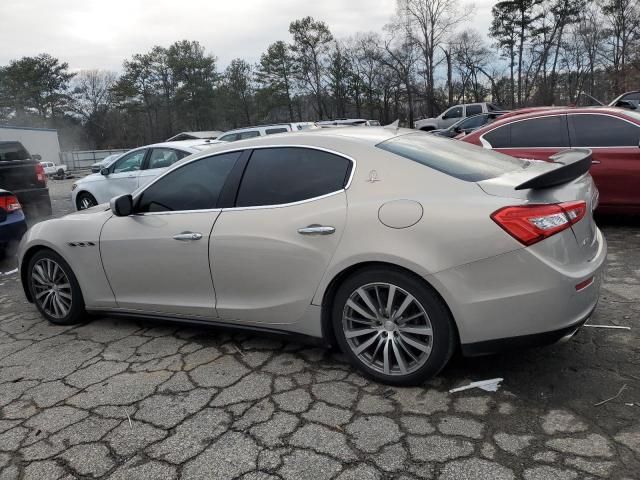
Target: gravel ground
{"points": [[132, 400]]}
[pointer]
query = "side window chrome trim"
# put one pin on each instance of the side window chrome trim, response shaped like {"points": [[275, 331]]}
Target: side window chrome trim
{"points": [[242, 149], [282, 205], [306, 200]]}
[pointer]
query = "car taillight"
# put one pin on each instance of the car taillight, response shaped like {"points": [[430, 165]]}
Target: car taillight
{"points": [[40, 175], [531, 223], [9, 203]]}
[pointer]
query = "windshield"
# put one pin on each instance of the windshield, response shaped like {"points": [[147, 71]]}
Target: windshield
{"points": [[458, 159], [10, 151]]}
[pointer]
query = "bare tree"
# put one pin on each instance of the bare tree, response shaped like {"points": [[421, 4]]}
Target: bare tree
{"points": [[623, 18], [432, 21]]}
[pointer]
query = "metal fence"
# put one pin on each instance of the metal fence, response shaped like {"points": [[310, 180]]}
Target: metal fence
{"points": [[83, 159]]}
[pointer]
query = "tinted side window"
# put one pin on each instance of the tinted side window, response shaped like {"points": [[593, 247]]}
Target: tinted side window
{"points": [[474, 122], [540, 132], [131, 162], [229, 138], [474, 109], [195, 186], [602, 131], [500, 137], [455, 112], [271, 131], [10, 151], [249, 134], [165, 157], [276, 176]]}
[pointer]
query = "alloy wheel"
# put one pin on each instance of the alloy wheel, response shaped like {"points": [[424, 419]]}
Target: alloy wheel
{"points": [[86, 202], [52, 289], [387, 328]]}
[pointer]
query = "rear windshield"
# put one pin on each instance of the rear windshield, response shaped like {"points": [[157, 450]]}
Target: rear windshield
{"points": [[455, 158], [10, 151]]}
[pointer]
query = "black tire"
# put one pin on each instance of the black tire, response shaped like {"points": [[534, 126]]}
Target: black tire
{"points": [[85, 200], [76, 311], [443, 339], [427, 129], [60, 174]]}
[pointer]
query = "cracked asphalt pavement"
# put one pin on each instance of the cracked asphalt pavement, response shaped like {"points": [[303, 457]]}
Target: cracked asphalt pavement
{"points": [[136, 400]]}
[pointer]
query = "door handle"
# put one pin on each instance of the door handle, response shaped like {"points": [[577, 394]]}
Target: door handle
{"points": [[316, 229], [187, 236], [595, 162]]}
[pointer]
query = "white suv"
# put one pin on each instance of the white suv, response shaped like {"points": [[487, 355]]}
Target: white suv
{"points": [[130, 171], [262, 130]]}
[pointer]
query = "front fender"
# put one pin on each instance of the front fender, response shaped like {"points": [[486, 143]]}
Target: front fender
{"points": [[76, 239]]}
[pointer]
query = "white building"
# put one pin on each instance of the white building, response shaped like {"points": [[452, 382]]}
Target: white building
{"points": [[41, 141]]}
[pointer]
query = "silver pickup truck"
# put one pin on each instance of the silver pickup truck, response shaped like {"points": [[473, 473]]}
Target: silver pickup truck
{"points": [[453, 114]]}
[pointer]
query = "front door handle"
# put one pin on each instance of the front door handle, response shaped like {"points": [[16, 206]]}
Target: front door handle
{"points": [[316, 229], [595, 162], [187, 236]]}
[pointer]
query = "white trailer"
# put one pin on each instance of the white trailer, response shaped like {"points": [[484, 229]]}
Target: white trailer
{"points": [[38, 141]]}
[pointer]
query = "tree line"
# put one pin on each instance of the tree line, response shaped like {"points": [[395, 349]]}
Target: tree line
{"points": [[428, 57]]}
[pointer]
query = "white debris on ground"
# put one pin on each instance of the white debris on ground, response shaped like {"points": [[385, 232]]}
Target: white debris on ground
{"points": [[491, 385]]}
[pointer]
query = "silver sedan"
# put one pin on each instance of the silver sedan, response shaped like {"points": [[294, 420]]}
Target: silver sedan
{"points": [[397, 246]]}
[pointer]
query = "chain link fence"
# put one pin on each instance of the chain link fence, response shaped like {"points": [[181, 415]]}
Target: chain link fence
{"points": [[83, 159]]}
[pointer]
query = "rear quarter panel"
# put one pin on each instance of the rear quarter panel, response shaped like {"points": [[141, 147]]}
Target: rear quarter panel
{"points": [[455, 227]]}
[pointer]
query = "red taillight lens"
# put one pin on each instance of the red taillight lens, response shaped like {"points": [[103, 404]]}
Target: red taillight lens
{"points": [[531, 223], [9, 203], [40, 175]]}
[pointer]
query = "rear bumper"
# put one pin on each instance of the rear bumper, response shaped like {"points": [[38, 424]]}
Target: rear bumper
{"points": [[12, 229], [490, 347], [520, 295]]}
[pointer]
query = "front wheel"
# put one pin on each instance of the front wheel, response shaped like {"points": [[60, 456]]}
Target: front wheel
{"points": [[85, 200], [55, 289], [392, 326]]}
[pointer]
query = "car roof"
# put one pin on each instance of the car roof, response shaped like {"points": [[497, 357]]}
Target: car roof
{"points": [[188, 145], [364, 135], [199, 135], [535, 112]]}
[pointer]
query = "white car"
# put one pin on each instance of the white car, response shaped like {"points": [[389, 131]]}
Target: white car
{"points": [[130, 171]]}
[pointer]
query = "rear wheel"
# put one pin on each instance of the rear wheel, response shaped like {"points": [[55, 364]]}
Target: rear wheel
{"points": [[85, 200], [55, 289], [392, 326]]}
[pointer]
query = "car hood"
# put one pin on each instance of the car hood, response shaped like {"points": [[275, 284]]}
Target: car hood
{"points": [[94, 177], [90, 211]]}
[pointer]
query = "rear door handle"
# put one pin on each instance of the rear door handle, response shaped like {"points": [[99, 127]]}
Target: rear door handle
{"points": [[187, 236], [595, 162], [316, 230]]}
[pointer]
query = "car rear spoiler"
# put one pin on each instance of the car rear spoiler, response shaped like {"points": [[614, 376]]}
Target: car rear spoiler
{"points": [[574, 163]]}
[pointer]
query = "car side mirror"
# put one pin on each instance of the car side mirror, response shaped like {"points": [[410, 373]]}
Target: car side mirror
{"points": [[36, 157], [122, 206], [104, 171], [457, 129]]}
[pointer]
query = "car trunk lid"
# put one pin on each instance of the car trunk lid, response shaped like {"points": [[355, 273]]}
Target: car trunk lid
{"points": [[565, 179]]}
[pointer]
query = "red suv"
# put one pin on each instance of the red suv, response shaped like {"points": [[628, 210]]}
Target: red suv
{"points": [[613, 134]]}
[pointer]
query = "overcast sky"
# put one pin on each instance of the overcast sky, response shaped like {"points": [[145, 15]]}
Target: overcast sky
{"points": [[102, 33]]}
